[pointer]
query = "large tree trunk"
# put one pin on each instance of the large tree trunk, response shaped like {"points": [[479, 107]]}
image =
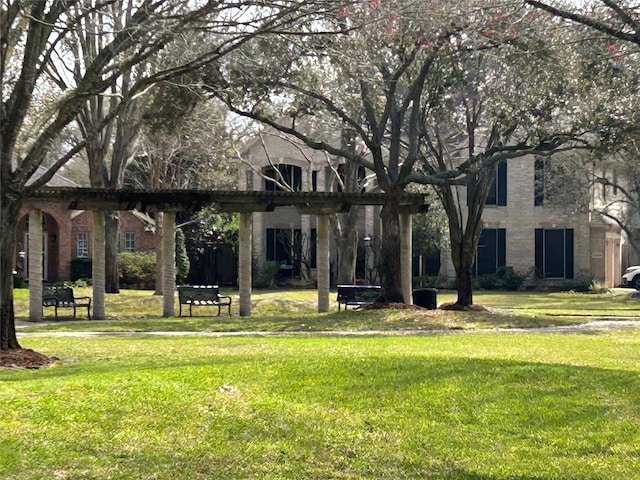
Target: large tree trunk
{"points": [[112, 234], [348, 246], [390, 259], [463, 256], [9, 212]]}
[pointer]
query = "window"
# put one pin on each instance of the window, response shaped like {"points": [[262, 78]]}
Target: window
{"points": [[314, 181], [498, 190], [281, 246], [289, 175], [491, 253], [82, 245], [361, 176], [554, 253], [129, 242]]}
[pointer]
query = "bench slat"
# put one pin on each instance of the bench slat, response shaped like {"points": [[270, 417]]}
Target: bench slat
{"points": [[357, 295], [202, 295]]}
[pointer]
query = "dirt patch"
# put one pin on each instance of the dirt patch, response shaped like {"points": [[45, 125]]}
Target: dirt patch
{"points": [[470, 308], [24, 358], [392, 306]]}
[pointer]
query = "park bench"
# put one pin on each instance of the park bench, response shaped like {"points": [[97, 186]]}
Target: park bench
{"points": [[61, 296], [357, 295], [202, 295]]}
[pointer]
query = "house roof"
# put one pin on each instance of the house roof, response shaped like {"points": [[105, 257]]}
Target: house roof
{"points": [[58, 180]]}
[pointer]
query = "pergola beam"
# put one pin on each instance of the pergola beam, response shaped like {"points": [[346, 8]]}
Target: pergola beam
{"points": [[228, 201]]}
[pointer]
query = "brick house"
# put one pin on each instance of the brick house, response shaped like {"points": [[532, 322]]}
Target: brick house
{"points": [[550, 244], [281, 235], [67, 234]]}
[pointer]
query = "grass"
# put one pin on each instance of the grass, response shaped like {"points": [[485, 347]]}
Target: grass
{"points": [[474, 406], [296, 311]]}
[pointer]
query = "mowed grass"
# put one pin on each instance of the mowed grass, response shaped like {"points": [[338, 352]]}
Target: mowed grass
{"points": [[296, 311], [491, 405]]}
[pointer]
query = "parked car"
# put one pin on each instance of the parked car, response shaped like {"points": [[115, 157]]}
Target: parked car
{"points": [[631, 277]]}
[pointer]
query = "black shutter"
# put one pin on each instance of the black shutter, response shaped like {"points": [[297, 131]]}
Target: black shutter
{"points": [[568, 253], [502, 247], [271, 244], [501, 179], [539, 239]]}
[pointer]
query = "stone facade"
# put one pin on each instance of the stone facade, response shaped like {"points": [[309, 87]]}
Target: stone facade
{"points": [[549, 244], [596, 245], [317, 173]]}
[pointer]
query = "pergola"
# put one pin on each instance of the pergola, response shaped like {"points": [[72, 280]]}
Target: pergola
{"points": [[245, 203]]}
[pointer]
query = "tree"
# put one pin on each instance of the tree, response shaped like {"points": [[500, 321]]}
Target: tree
{"points": [[422, 88], [619, 19], [36, 110], [615, 171]]}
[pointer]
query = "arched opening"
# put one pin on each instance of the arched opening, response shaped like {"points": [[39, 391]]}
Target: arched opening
{"points": [[50, 248]]}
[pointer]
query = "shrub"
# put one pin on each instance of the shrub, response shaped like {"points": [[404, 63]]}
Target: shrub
{"points": [[137, 270], [597, 287], [504, 278]]}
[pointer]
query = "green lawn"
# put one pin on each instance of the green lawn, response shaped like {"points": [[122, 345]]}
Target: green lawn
{"points": [[456, 406], [296, 310]]}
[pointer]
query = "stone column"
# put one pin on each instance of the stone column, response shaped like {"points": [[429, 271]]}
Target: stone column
{"points": [[244, 262], [405, 257], [35, 265], [322, 262], [169, 264], [98, 266]]}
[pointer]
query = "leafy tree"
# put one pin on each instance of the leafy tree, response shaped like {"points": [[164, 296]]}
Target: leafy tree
{"points": [[428, 90], [619, 19], [614, 64], [37, 108]]}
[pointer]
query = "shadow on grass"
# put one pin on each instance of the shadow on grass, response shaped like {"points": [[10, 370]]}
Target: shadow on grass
{"points": [[331, 406]]}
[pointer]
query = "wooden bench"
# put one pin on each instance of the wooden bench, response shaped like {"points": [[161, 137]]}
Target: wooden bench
{"points": [[357, 295], [61, 296], [202, 295]]}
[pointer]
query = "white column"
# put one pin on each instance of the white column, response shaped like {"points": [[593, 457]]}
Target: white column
{"points": [[405, 257], [244, 262], [323, 262], [98, 266], [35, 265], [169, 264]]}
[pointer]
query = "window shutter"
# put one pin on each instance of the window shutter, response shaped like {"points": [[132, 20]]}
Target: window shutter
{"points": [[539, 260], [501, 178], [502, 247], [568, 253]]}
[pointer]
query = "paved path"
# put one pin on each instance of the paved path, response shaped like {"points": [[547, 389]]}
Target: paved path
{"points": [[593, 325]]}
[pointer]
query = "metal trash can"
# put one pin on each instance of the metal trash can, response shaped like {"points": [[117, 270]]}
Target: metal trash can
{"points": [[426, 297]]}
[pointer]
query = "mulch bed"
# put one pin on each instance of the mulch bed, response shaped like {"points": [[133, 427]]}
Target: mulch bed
{"points": [[24, 358]]}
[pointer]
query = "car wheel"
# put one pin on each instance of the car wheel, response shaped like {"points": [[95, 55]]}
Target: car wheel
{"points": [[636, 282]]}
